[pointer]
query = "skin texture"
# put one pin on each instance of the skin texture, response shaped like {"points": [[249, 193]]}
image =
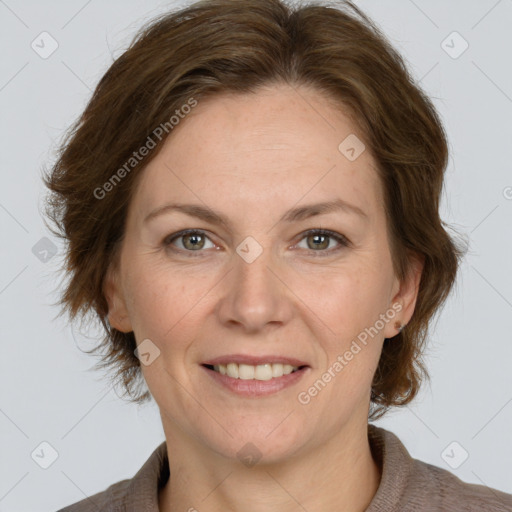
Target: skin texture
{"points": [[253, 157]]}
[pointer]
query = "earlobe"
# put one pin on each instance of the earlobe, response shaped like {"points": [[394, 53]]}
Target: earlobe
{"points": [[117, 312]]}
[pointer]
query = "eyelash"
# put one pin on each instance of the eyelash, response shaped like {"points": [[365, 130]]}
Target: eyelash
{"points": [[342, 240]]}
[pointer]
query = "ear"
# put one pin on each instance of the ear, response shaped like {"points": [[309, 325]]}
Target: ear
{"points": [[406, 295], [117, 312]]}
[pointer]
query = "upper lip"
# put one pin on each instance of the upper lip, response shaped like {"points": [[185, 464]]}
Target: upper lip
{"points": [[254, 360]]}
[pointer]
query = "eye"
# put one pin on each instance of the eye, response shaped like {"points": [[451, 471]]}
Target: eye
{"points": [[192, 240], [319, 239]]}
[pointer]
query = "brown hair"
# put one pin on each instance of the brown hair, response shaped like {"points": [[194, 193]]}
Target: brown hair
{"points": [[236, 46]]}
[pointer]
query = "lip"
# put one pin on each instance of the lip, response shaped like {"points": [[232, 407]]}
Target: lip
{"points": [[253, 388], [254, 360]]}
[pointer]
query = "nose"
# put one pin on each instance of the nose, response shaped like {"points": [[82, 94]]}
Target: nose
{"points": [[255, 294]]}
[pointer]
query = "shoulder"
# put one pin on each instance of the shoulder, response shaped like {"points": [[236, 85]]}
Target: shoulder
{"points": [[448, 492], [409, 484], [137, 493], [109, 499]]}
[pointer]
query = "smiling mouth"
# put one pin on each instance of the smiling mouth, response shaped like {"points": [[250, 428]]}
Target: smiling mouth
{"points": [[259, 372]]}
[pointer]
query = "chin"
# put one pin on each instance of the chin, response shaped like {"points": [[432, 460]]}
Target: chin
{"points": [[261, 443]]}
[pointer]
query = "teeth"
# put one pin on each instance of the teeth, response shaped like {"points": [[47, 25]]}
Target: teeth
{"points": [[246, 371], [232, 370], [277, 370], [263, 372], [250, 372]]}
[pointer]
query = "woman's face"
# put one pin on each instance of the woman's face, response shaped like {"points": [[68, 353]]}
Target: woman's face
{"points": [[259, 285]]}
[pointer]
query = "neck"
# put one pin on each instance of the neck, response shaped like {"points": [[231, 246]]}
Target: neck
{"points": [[339, 475]]}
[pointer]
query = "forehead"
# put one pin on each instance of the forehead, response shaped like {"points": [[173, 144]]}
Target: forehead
{"points": [[279, 146]]}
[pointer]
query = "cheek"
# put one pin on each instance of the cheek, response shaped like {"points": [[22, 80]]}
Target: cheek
{"points": [[347, 300], [151, 301], [351, 304], [162, 300]]}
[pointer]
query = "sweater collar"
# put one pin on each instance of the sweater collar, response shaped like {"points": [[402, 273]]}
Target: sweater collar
{"points": [[391, 456]]}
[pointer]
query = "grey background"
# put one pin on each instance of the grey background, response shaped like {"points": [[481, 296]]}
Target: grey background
{"points": [[47, 391]]}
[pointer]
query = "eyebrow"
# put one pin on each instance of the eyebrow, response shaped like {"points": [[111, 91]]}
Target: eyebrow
{"points": [[293, 215]]}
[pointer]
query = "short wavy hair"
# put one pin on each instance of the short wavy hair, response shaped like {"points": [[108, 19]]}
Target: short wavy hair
{"points": [[235, 46]]}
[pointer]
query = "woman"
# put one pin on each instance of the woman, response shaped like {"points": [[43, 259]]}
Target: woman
{"points": [[251, 203]]}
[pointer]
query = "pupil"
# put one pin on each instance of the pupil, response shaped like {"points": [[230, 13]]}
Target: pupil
{"points": [[321, 244], [194, 239]]}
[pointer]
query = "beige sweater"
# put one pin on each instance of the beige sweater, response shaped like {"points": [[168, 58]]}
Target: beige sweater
{"points": [[407, 484]]}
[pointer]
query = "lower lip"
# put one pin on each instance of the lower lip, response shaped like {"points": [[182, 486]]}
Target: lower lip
{"points": [[253, 387]]}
